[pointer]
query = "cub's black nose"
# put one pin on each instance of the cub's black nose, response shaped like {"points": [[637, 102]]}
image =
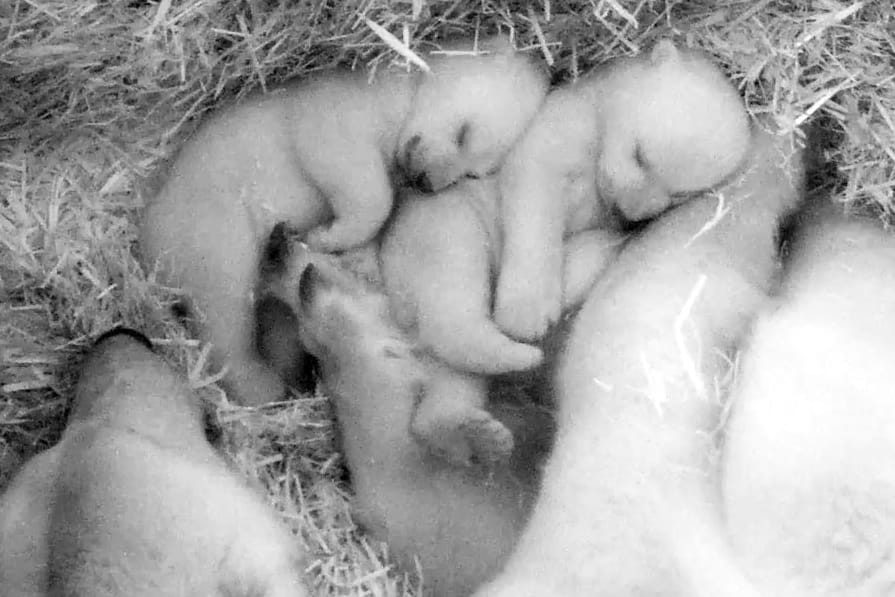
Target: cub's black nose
{"points": [[123, 331]]}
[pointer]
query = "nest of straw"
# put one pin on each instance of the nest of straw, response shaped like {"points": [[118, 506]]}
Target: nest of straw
{"points": [[94, 95]]}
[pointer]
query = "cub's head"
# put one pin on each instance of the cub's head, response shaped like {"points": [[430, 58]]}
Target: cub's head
{"points": [[693, 128], [468, 112]]}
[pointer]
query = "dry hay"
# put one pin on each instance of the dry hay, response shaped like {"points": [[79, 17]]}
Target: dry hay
{"points": [[93, 95]]}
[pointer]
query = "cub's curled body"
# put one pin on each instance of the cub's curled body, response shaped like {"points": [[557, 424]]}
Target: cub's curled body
{"points": [[809, 462], [438, 259], [460, 522], [632, 138], [134, 501], [319, 154]]}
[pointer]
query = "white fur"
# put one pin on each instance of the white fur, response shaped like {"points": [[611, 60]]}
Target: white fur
{"points": [[438, 260], [319, 155], [809, 482], [629, 501], [460, 522], [634, 136], [134, 501]]}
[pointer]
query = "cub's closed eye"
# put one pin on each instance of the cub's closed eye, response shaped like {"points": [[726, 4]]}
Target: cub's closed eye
{"points": [[462, 135]]}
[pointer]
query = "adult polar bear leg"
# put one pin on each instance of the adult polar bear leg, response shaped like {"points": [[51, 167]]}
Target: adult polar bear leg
{"points": [[809, 457]]}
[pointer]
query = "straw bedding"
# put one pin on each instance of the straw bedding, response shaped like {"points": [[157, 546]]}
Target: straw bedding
{"points": [[95, 95]]}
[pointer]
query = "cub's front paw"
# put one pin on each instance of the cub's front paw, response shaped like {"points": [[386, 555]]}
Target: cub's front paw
{"points": [[526, 306]]}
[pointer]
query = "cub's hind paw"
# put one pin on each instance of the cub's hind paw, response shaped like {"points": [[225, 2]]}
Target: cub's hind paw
{"points": [[490, 441], [474, 437]]}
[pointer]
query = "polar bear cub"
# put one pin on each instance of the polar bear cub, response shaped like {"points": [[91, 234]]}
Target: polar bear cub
{"points": [[809, 461], [134, 501], [629, 503], [320, 154], [461, 522], [438, 260], [632, 138]]}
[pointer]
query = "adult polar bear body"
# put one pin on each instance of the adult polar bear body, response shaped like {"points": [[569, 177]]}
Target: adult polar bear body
{"points": [[319, 154], [809, 462], [134, 501]]}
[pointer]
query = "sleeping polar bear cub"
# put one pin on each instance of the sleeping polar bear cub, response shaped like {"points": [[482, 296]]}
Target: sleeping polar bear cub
{"points": [[629, 502], [438, 259], [319, 154], [631, 138], [809, 484], [460, 522]]}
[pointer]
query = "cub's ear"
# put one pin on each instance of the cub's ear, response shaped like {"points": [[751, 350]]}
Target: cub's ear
{"points": [[277, 250], [664, 52]]}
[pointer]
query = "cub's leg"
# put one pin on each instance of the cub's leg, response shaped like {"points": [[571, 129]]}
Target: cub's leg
{"points": [[435, 264], [437, 272], [547, 191], [587, 254], [451, 419], [215, 261], [355, 181]]}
